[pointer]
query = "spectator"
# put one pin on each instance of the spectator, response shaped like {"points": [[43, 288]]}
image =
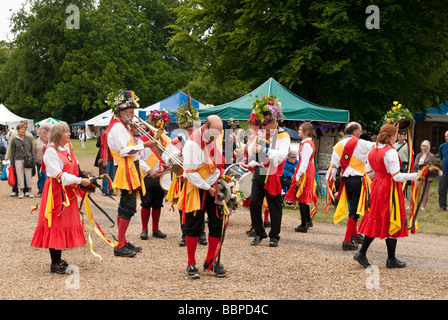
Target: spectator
{"points": [[82, 138], [21, 146], [39, 146], [443, 179], [423, 158], [290, 167], [3, 149], [403, 152]]}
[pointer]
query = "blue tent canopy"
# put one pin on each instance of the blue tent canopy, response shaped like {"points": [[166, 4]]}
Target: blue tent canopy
{"points": [[439, 114], [179, 98]]}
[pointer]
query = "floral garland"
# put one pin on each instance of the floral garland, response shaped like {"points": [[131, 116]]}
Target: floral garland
{"points": [[236, 196], [122, 99], [158, 118], [266, 109], [397, 113], [186, 115]]}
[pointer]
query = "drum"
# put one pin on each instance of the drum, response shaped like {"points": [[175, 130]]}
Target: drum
{"points": [[165, 180], [243, 176]]}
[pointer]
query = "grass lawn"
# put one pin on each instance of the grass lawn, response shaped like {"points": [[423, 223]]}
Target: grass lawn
{"points": [[432, 220], [90, 151]]}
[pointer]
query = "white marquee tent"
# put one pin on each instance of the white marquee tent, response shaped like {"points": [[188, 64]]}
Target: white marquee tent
{"points": [[11, 120]]}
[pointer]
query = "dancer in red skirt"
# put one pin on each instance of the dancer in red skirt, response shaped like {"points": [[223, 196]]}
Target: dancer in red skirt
{"points": [[59, 224], [304, 176], [387, 215]]}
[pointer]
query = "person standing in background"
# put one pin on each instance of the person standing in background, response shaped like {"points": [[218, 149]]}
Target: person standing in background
{"points": [[39, 146], [443, 180]]}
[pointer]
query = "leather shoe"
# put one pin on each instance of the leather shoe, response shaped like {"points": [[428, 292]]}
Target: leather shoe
{"points": [[303, 229], [144, 235], [361, 259], [218, 270], [257, 240], [202, 240], [358, 239], [346, 246], [192, 272], [132, 247], [59, 267], [124, 251], [273, 242], [395, 263], [158, 234]]}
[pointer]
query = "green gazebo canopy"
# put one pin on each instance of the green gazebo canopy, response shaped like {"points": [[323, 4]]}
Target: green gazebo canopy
{"points": [[294, 107]]}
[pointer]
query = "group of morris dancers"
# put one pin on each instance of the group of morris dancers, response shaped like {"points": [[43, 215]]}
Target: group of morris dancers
{"points": [[141, 161]]}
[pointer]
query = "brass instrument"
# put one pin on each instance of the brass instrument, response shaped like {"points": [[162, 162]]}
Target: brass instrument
{"points": [[177, 163]]}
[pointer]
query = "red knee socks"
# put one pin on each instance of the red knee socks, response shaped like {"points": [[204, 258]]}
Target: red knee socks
{"points": [[351, 229], [155, 219], [122, 228], [145, 213], [212, 245], [192, 243]]}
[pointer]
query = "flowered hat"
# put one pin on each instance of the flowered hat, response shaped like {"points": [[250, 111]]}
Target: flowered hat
{"points": [[400, 116], [266, 109], [186, 115], [121, 100], [158, 118]]}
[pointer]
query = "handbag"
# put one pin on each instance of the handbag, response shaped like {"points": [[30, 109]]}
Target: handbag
{"points": [[28, 162], [4, 176]]}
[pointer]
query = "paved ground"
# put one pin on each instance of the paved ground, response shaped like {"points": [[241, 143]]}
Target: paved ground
{"points": [[304, 266]]}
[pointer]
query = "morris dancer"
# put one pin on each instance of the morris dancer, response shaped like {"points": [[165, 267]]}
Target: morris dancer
{"points": [[387, 215], [305, 172], [268, 170], [128, 176], [59, 224], [198, 193], [351, 155], [153, 165]]}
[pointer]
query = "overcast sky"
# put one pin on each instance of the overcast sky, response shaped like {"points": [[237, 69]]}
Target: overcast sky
{"points": [[7, 8]]}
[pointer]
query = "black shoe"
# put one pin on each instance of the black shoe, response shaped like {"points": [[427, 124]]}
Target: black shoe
{"points": [[202, 240], [182, 242], [346, 246], [192, 272], [267, 224], [303, 229], [158, 234], [251, 233], [132, 247], [358, 239], [273, 242], [257, 240], [218, 270], [361, 259], [124, 251], [144, 235], [309, 224], [59, 267], [395, 263]]}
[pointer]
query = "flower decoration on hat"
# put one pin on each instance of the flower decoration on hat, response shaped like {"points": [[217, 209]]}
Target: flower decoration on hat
{"points": [[266, 109], [158, 118], [121, 100], [186, 115], [398, 113]]}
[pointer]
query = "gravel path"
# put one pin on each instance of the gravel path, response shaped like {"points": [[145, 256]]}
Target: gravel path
{"points": [[303, 266]]}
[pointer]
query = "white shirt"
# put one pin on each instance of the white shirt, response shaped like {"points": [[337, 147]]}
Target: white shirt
{"points": [[360, 152], [305, 158], [194, 157], [145, 153], [118, 140], [277, 153], [392, 163], [54, 166]]}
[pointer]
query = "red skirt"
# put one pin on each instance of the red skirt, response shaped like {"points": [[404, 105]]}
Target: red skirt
{"points": [[376, 221], [308, 195], [66, 230]]}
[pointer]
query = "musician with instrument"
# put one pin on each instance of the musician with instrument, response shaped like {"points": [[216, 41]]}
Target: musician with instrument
{"points": [[153, 164], [186, 116], [59, 224], [270, 162], [125, 150], [200, 164], [351, 155]]}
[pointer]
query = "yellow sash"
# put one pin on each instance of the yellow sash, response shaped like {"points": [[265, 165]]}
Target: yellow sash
{"points": [[394, 210], [189, 199], [174, 189], [355, 163], [126, 174]]}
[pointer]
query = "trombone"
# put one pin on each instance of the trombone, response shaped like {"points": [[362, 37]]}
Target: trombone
{"points": [[157, 134]]}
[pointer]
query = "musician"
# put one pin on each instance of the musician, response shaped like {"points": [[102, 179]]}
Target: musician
{"points": [[268, 169], [125, 150], [201, 160], [153, 164], [59, 225], [351, 155], [386, 217], [305, 172]]}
